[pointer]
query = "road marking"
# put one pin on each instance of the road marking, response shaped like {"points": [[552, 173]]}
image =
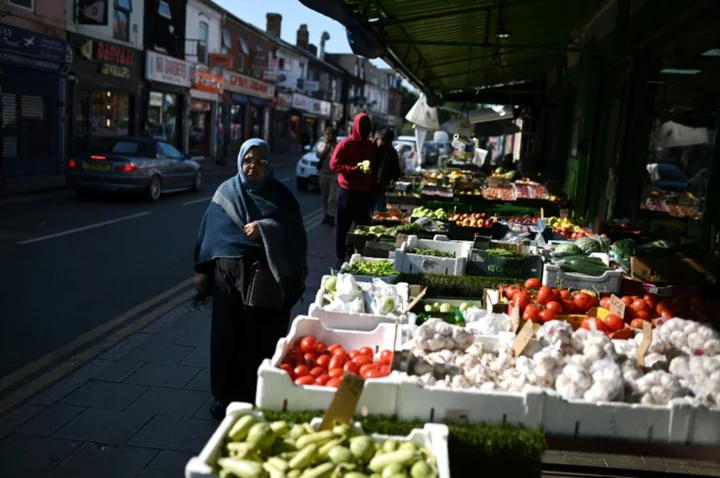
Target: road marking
{"points": [[83, 357], [312, 216], [60, 352], [195, 201], [84, 228], [284, 180]]}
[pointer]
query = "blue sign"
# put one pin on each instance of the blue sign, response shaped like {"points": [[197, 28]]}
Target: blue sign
{"points": [[31, 45]]}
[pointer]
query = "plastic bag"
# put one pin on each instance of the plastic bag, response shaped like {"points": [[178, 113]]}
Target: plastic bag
{"points": [[347, 289], [385, 298]]}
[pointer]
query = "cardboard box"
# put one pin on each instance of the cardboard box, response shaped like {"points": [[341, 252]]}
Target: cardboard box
{"points": [[671, 268]]}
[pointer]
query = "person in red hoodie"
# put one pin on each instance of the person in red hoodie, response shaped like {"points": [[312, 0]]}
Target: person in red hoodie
{"points": [[355, 191]]}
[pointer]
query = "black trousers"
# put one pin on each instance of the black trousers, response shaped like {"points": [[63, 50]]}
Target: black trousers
{"points": [[352, 207], [241, 337]]}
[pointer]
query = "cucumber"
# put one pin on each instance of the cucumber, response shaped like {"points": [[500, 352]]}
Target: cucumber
{"points": [[591, 266]]}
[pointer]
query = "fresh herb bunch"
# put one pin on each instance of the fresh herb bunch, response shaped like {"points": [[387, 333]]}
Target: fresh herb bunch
{"points": [[504, 253], [432, 252], [381, 268], [441, 285]]}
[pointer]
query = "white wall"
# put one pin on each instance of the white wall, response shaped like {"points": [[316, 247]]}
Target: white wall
{"points": [[105, 32], [197, 12], [291, 69]]}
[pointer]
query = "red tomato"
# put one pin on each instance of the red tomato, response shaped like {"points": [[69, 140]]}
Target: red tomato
{"points": [[589, 322], [336, 373], [530, 313], [287, 368], [322, 379], [564, 294], [605, 303], [367, 367], [320, 347], [372, 373], [386, 356], [334, 347], [301, 370], [337, 361], [353, 353], [309, 359], [583, 301], [569, 307], [642, 314], [626, 300], [323, 361], [509, 291], [307, 344], [614, 322], [339, 352], [638, 305], [555, 306], [637, 323], [664, 305], [317, 371], [557, 295], [650, 300], [351, 367], [667, 314], [385, 370], [533, 283], [361, 360], [333, 382], [546, 315], [368, 351], [520, 299], [545, 295], [305, 380]]}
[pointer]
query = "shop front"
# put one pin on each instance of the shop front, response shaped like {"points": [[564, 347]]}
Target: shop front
{"points": [[206, 128], [169, 81], [246, 109], [283, 136], [309, 118], [32, 81], [106, 91]]}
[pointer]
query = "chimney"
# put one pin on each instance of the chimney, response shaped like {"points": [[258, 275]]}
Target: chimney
{"points": [[303, 37], [323, 38], [274, 24], [312, 49]]}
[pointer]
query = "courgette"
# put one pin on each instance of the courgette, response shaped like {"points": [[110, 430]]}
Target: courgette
{"points": [[591, 266]]}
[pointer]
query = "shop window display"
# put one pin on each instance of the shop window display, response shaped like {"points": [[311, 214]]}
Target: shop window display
{"points": [[200, 120], [109, 113], [162, 122], [237, 122]]}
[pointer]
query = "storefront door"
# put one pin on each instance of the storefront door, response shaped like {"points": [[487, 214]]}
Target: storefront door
{"points": [[200, 128]]}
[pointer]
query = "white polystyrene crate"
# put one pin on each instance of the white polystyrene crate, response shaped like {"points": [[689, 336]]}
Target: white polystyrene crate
{"points": [[358, 321], [610, 281], [276, 391], [360, 278], [432, 436], [409, 263]]}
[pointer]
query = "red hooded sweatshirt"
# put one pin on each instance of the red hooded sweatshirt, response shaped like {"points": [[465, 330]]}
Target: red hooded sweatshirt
{"points": [[348, 154]]}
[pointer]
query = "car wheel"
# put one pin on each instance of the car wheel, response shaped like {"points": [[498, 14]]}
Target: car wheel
{"points": [[197, 181], [302, 184], [154, 190]]}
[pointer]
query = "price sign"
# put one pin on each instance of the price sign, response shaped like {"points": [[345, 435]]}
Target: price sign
{"points": [[342, 407], [617, 306], [400, 239], [645, 344], [523, 338], [415, 300], [515, 318]]}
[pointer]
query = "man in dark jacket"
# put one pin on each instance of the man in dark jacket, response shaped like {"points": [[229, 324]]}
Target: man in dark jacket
{"points": [[388, 164], [328, 177], [354, 161]]}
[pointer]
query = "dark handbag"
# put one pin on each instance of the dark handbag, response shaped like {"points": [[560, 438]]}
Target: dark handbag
{"points": [[264, 291]]}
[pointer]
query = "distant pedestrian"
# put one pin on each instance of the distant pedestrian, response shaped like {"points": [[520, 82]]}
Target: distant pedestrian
{"points": [[251, 258], [328, 177], [356, 188], [388, 166]]}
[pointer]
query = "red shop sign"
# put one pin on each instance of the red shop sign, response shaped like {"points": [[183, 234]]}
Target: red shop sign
{"points": [[114, 54], [250, 84]]}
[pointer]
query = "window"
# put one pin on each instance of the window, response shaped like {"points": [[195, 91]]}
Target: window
{"points": [[109, 113], [202, 46], [24, 126], [30, 4], [164, 10], [121, 20], [302, 70], [237, 121], [243, 46], [281, 64], [170, 151], [162, 117], [355, 70], [226, 39], [241, 62]]}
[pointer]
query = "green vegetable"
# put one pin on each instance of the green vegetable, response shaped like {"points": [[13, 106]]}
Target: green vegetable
{"points": [[278, 463], [380, 268], [588, 245], [324, 450], [432, 252], [591, 266], [361, 447], [391, 469], [624, 248], [304, 458], [390, 445], [241, 428], [318, 438], [260, 436], [504, 253], [570, 249], [403, 457], [242, 468], [340, 454], [320, 471]]}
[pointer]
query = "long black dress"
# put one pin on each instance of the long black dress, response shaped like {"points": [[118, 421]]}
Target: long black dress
{"points": [[241, 337]]}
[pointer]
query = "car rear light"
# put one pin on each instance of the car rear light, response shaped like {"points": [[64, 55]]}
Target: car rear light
{"points": [[98, 158], [72, 164], [126, 168]]}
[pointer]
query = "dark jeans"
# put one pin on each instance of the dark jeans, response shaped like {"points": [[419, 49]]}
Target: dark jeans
{"points": [[380, 201], [352, 207]]}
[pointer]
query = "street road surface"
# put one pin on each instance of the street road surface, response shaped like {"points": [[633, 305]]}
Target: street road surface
{"points": [[69, 265]]}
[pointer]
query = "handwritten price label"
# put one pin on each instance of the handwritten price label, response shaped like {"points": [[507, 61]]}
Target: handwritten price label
{"points": [[342, 407]]}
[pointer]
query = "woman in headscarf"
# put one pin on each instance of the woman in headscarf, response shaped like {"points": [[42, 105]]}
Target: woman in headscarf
{"points": [[251, 258]]}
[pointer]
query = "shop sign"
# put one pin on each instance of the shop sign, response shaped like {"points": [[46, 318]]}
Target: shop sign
{"points": [[311, 105], [271, 74], [249, 85], [208, 82], [114, 60], [25, 47], [166, 69], [284, 101], [200, 106], [218, 60], [312, 86], [92, 12]]}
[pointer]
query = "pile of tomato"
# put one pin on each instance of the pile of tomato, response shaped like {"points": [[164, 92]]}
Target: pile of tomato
{"points": [[311, 362], [538, 303]]}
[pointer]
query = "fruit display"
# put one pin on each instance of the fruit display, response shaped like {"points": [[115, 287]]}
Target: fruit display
{"points": [[255, 448], [452, 175], [445, 308], [469, 192], [569, 228], [432, 252], [530, 190], [500, 173], [522, 220], [377, 268], [311, 362], [439, 214], [538, 303], [392, 214], [478, 219], [499, 193]]}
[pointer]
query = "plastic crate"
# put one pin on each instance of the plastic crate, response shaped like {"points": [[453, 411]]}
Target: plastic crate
{"points": [[432, 436], [275, 390], [410, 263], [361, 278], [610, 281]]}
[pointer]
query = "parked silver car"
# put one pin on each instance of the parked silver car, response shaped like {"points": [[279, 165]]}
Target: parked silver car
{"points": [[134, 165]]}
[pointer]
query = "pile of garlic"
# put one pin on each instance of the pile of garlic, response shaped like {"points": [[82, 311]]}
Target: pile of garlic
{"points": [[577, 364]]}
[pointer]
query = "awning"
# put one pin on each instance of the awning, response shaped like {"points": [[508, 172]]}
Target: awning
{"points": [[676, 135]]}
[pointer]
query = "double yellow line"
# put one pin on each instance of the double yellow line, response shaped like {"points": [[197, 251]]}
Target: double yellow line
{"points": [[81, 358]]}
